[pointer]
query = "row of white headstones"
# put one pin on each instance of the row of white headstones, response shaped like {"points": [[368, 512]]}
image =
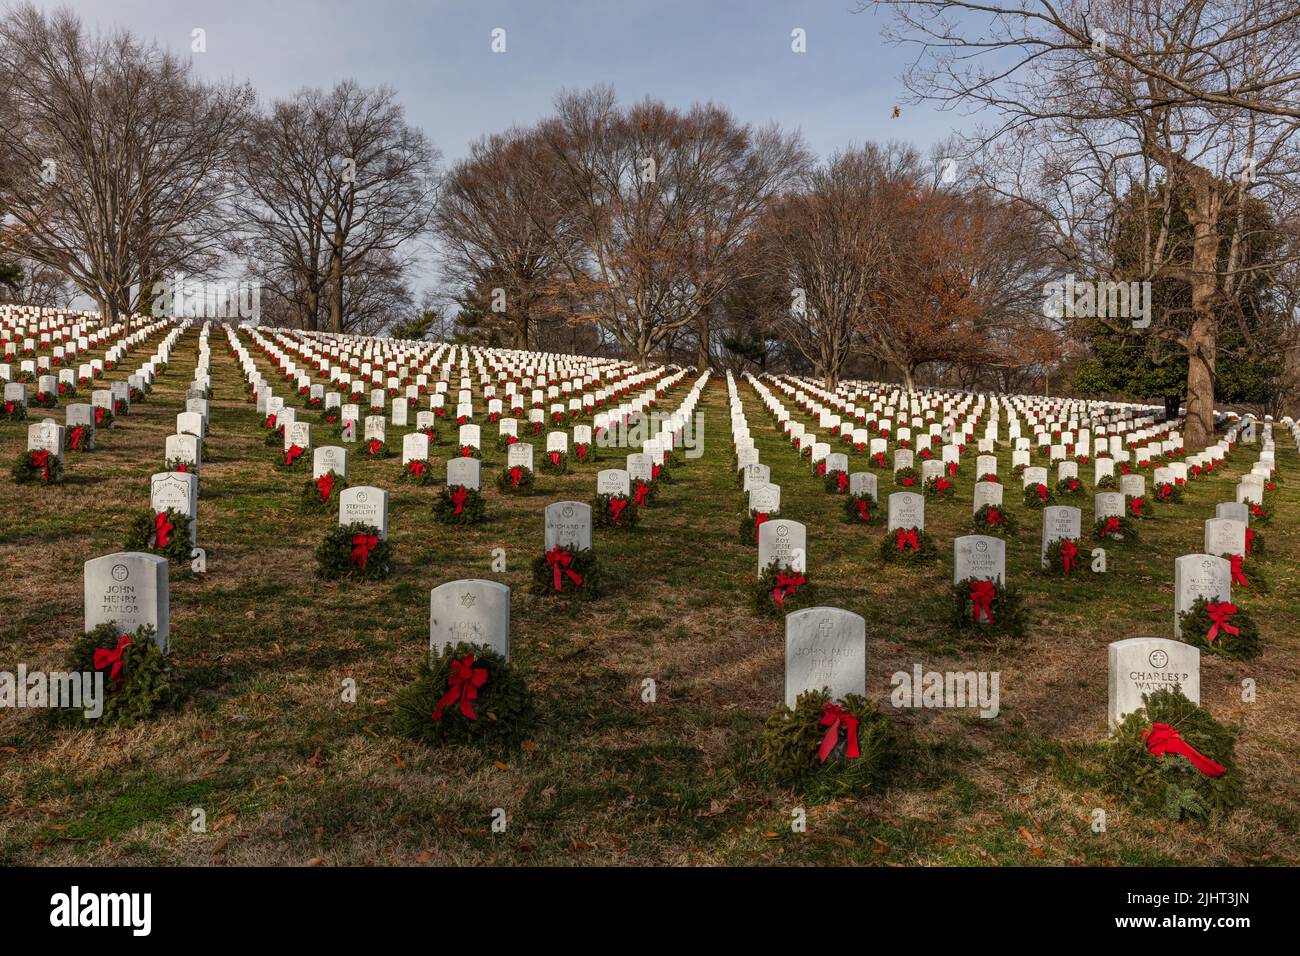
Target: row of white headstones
{"points": [[826, 647]]}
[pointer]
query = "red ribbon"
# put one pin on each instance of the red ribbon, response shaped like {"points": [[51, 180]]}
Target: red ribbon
{"points": [[1238, 575], [941, 485], [1166, 490], [640, 494], [112, 658], [981, 596], [1042, 492], [616, 506], [77, 435], [1257, 511], [834, 717], [1068, 552], [325, 485], [462, 685], [292, 455], [1135, 506], [559, 560], [952, 468], [1250, 539], [863, 504], [162, 529], [759, 518], [270, 421], [1220, 617], [458, 497], [993, 516], [581, 450], [416, 467], [467, 452], [362, 545], [1163, 739], [375, 445], [907, 538], [654, 472], [786, 585], [841, 481], [41, 460], [1112, 526], [516, 473]]}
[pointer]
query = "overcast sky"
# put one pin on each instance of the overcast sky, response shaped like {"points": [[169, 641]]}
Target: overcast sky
{"points": [[437, 54]]}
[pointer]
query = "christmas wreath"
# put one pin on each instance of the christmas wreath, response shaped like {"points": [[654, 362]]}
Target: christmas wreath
{"points": [[1038, 495], [104, 417], [1254, 542], [614, 511], [516, 480], [417, 471], [907, 544], [560, 572], [12, 411], [907, 477], [467, 695], [1070, 488], [987, 607], [429, 432], [1169, 491], [320, 493], [995, 520], [827, 749], [749, 525], [45, 400], [354, 551], [660, 474], [275, 436], [1171, 757], [940, 489], [38, 465], [989, 477], [555, 462], [292, 457], [1064, 556], [1106, 483], [1258, 515], [1139, 507], [137, 677], [79, 438], [177, 464], [781, 590], [861, 509], [1220, 627], [469, 451], [457, 504], [505, 441], [376, 448], [165, 533], [878, 460], [584, 451], [1115, 528], [837, 482]]}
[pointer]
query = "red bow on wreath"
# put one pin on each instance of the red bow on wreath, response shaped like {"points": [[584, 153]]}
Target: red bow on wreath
{"points": [[9, 408], [952, 468], [555, 458], [981, 597], [516, 473], [786, 585], [325, 485], [1068, 553], [941, 485], [1166, 490], [1220, 617], [1250, 539], [293, 454], [162, 529], [416, 467], [1257, 511], [362, 545], [41, 462], [833, 718], [270, 421], [863, 505], [559, 561], [841, 482], [994, 516], [616, 506], [907, 539], [1163, 739], [458, 497], [462, 685], [1112, 526], [374, 445], [112, 658], [511, 439], [1042, 492], [759, 518], [654, 472], [77, 435], [1136, 505], [640, 494], [581, 450], [1238, 575]]}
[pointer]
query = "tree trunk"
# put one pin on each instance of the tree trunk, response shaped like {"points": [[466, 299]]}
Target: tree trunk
{"points": [[702, 359], [336, 290], [1202, 341], [521, 332]]}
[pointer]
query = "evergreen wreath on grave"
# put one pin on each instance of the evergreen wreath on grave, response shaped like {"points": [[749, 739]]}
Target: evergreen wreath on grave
{"points": [[469, 451], [1106, 483], [995, 520], [429, 432], [750, 523], [466, 695], [940, 488], [23, 375], [376, 448], [989, 477], [177, 464], [1258, 515], [104, 418], [38, 465], [661, 474], [861, 509], [354, 550], [516, 480], [1038, 495], [584, 452], [292, 457], [907, 544], [782, 590], [505, 441], [1140, 507], [907, 478], [331, 416], [563, 573], [457, 504], [417, 472], [1220, 627], [1170, 757], [121, 407], [320, 494], [1256, 582], [137, 677], [12, 411], [643, 493], [1170, 492], [1254, 542], [987, 607], [825, 749], [166, 533], [837, 482], [274, 437], [45, 400], [1019, 469], [614, 511], [137, 394], [1115, 528], [79, 438], [1064, 556], [878, 461], [555, 462], [1070, 488]]}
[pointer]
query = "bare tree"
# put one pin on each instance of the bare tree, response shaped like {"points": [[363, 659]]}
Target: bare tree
{"points": [[113, 159]]}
